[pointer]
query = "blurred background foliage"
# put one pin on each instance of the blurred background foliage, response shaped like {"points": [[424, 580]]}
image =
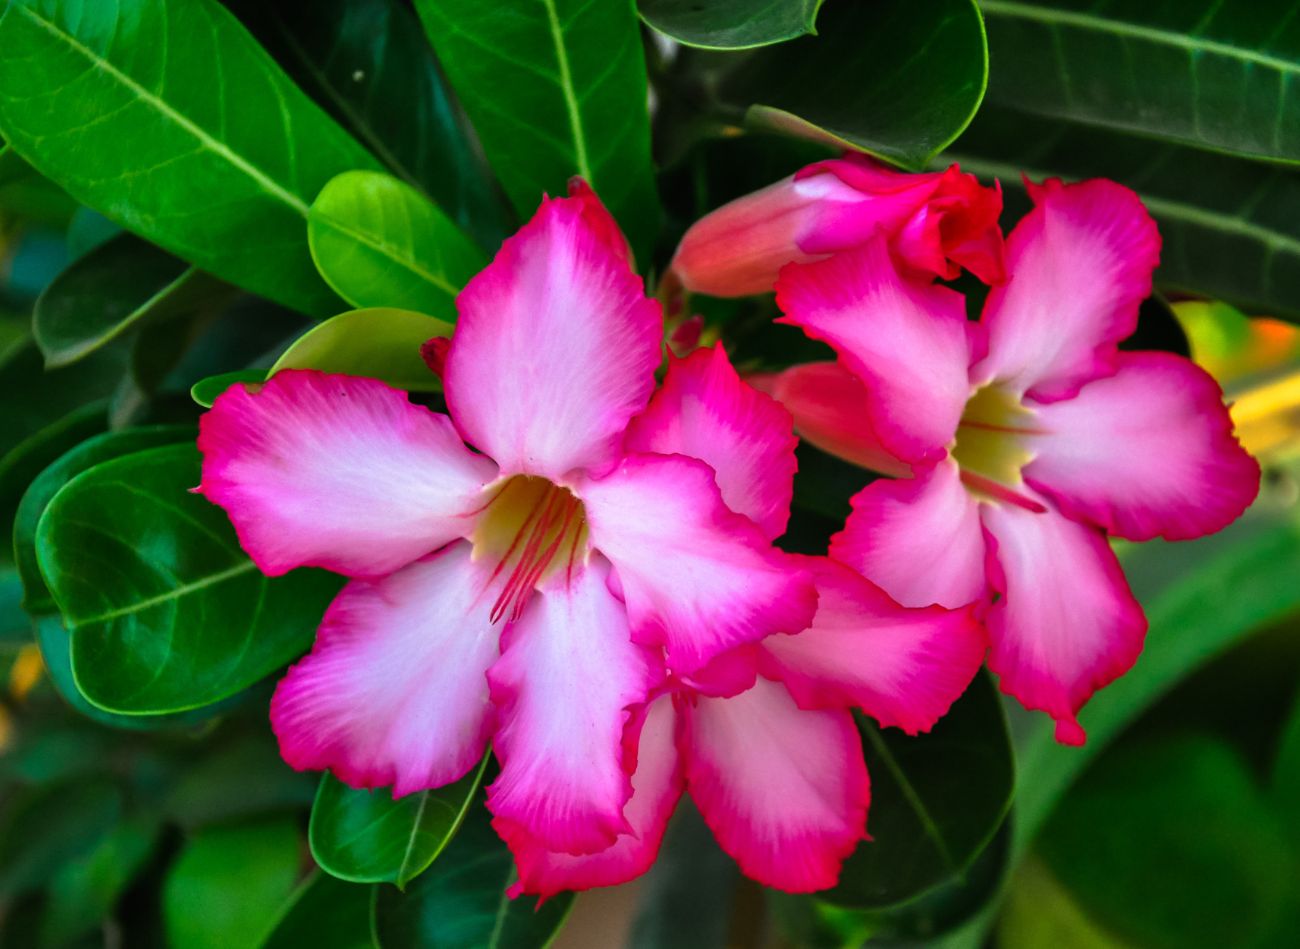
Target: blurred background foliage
{"points": [[142, 800]]}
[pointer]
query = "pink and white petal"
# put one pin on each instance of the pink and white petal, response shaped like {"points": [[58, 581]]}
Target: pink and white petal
{"points": [[338, 472], [704, 410], [567, 677], [1079, 265], [829, 404], [698, 578], [556, 347], [1066, 623], [1148, 452], [395, 690], [918, 539], [657, 785], [783, 789], [904, 667], [908, 341]]}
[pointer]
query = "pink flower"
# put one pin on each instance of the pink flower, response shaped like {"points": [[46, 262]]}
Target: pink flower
{"points": [[526, 593], [1029, 437], [762, 737], [936, 223]]}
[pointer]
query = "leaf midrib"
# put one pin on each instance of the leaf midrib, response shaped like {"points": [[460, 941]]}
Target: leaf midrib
{"points": [[175, 593], [388, 250], [913, 799], [566, 88], [265, 181]]}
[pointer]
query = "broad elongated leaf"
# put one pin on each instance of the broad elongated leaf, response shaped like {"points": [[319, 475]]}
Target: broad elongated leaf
{"points": [[30, 457], [731, 24], [379, 242], [169, 118], [936, 801], [460, 902], [165, 611], [114, 287], [382, 343], [368, 64], [325, 913], [367, 837], [555, 88], [1214, 74], [1231, 228], [895, 78]]}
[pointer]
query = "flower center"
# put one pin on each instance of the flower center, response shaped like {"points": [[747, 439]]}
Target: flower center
{"points": [[531, 527], [991, 446]]}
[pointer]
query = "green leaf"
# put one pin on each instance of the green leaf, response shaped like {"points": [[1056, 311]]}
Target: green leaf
{"points": [[205, 391], [894, 78], [1213, 74], [111, 289], [379, 242], [325, 913], [165, 611], [381, 343], [730, 24], [555, 88], [367, 63], [167, 116], [228, 885], [461, 902], [47, 827], [1231, 227], [936, 801], [15, 630], [367, 837], [1041, 912], [1285, 786], [242, 779]]}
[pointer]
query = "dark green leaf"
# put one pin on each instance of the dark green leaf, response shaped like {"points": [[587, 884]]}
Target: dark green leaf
{"points": [[367, 837], [169, 118], [555, 88], [1231, 228], [1040, 911], [369, 65], [109, 290], [461, 902], [379, 242], [1214, 74], [50, 826], [325, 913], [242, 779], [894, 78], [936, 801], [730, 24], [1285, 786], [165, 610], [15, 630], [228, 885]]}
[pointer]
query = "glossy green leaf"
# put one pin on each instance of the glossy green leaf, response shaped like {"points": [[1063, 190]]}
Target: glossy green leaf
{"points": [[111, 289], [1231, 227], [15, 630], [165, 610], [1214, 74], [46, 827], [460, 902], [228, 884], [325, 913], [85, 889], [731, 24], [205, 391], [555, 88], [379, 242], [937, 799], [367, 837], [381, 343], [894, 78], [169, 118]]}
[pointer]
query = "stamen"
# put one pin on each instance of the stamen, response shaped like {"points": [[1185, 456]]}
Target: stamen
{"points": [[999, 492]]}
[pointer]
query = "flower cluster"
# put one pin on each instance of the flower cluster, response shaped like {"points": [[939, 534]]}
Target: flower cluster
{"points": [[575, 564]]}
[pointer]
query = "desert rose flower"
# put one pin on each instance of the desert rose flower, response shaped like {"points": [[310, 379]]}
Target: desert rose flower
{"points": [[525, 593], [937, 223], [762, 738], [1029, 437]]}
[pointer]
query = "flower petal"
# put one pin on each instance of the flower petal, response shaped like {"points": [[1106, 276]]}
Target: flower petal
{"points": [[705, 411], [567, 675], [1079, 264], [395, 692], [904, 667], [1066, 623], [556, 347], [784, 790], [1147, 452], [907, 341], [917, 538], [698, 578], [657, 785], [829, 404], [337, 472]]}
